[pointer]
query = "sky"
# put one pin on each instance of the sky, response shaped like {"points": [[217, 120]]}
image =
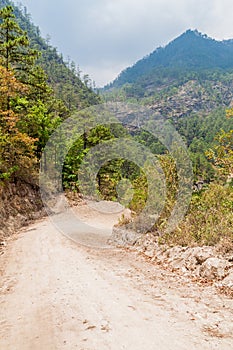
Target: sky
{"points": [[103, 37]]}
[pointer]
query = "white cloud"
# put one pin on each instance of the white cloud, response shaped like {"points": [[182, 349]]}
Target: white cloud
{"points": [[106, 35]]}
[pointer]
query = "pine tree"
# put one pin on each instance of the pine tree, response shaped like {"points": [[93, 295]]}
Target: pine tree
{"points": [[15, 48]]}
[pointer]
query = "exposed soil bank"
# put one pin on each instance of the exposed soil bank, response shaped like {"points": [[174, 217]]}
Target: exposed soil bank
{"points": [[20, 203]]}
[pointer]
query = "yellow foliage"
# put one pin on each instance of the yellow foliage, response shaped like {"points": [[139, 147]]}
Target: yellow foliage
{"points": [[9, 85], [229, 113], [16, 148]]}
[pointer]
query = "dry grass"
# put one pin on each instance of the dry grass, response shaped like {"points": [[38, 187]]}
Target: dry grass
{"points": [[209, 220]]}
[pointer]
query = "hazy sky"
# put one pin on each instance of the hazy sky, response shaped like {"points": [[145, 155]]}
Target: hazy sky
{"points": [[105, 36]]}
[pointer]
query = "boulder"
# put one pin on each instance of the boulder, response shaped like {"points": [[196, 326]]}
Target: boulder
{"points": [[123, 237], [214, 268], [227, 282], [201, 254], [151, 253]]}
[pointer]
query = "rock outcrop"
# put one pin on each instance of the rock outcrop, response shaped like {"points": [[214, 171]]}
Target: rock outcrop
{"points": [[203, 262]]}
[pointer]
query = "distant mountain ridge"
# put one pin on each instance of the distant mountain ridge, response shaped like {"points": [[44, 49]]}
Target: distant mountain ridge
{"points": [[188, 82], [191, 51]]}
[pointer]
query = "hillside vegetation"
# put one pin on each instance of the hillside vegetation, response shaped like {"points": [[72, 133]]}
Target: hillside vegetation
{"points": [[38, 91], [192, 52], [64, 77], [190, 83]]}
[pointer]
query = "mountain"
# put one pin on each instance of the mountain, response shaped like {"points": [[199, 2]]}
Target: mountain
{"points": [[189, 82], [192, 74], [190, 52], [63, 77]]}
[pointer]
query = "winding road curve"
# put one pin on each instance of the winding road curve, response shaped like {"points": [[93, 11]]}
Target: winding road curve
{"points": [[57, 294]]}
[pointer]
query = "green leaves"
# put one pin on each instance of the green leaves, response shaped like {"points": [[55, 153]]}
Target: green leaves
{"points": [[26, 116], [222, 154], [15, 51]]}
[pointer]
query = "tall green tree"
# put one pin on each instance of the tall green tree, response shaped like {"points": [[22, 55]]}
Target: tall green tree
{"points": [[29, 112], [38, 111], [15, 48]]}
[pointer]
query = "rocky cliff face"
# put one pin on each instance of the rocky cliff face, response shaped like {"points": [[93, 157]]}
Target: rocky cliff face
{"points": [[193, 97]]}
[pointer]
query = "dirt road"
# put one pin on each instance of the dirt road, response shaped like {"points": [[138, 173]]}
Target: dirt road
{"points": [[57, 294]]}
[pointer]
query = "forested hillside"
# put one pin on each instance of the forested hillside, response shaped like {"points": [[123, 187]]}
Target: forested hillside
{"points": [[38, 91], [192, 52], [190, 83], [64, 77], [116, 218]]}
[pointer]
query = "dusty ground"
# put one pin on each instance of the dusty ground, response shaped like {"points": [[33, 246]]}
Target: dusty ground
{"points": [[58, 294]]}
